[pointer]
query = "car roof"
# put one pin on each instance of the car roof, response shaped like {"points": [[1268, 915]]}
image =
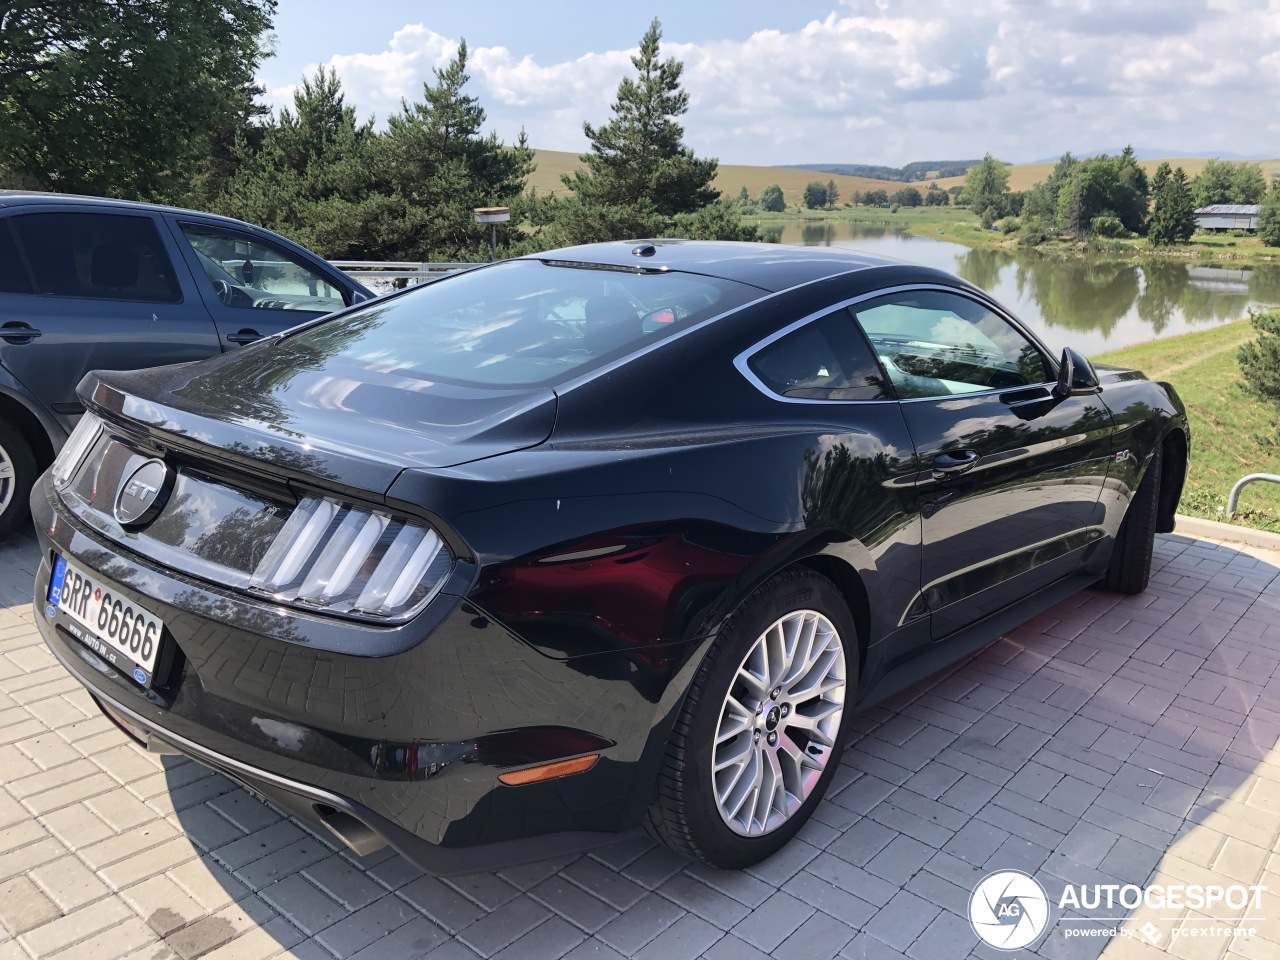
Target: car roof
{"points": [[769, 266], [17, 198]]}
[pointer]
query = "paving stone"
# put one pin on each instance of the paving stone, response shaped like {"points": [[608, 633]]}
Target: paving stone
{"points": [[773, 921], [68, 883], [504, 926], [370, 923], [639, 924], [901, 920], [899, 861], [24, 906], [589, 912]]}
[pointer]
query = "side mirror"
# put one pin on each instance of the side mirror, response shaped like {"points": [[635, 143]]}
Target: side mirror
{"points": [[1076, 376]]}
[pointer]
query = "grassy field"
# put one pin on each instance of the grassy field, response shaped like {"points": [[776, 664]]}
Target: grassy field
{"points": [[1233, 433], [729, 180], [732, 177]]}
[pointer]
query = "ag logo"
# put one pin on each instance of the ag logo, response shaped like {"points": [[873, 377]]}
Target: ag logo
{"points": [[1009, 910]]}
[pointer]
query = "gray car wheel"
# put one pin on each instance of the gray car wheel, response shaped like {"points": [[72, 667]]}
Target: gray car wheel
{"points": [[18, 472]]}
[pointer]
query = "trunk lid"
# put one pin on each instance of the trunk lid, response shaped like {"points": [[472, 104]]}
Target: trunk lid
{"points": [[271, 411]]}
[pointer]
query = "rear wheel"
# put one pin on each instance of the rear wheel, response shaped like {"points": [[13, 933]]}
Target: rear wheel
{"points": [[763, 726], [17, 475], [1130, 568]]}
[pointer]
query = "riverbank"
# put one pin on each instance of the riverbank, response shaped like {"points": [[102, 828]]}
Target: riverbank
{"points": [[960, 226], [1233, 432]]}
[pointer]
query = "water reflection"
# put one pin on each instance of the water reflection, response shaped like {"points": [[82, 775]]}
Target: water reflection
{"points": [[1092, 304]]}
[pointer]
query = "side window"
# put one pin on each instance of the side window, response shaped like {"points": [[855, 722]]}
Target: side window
{"points": [[826, 359], [244, 271], [98, 256], [937, 344], [13, 271]]}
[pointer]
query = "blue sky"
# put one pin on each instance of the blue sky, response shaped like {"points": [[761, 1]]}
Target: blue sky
{"points": [[872, 81]]}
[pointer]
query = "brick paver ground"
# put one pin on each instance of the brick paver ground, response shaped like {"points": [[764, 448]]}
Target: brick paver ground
{"points": [[1111, 740]]}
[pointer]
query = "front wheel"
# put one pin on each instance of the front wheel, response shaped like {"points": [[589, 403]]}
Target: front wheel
{"points": [[1130, 567], [763, 725]]}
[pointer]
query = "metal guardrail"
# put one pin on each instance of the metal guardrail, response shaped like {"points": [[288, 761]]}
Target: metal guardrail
{"points": [[398, 269], [1234, 499]]}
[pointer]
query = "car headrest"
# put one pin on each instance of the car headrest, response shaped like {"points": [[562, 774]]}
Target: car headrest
{"points": [[610, 321]]}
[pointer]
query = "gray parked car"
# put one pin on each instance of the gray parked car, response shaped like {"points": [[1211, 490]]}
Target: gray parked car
{"points": [[91, 284]]}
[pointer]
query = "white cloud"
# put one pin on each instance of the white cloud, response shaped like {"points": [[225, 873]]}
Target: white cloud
{"points": [[891, 81]]}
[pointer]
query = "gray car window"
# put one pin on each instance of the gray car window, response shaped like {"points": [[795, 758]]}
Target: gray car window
{"points": [[98, 256], [13, 273], [247, 272]]}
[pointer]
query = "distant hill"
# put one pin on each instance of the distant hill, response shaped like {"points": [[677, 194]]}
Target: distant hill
{"points": [[733, 177], [729, 179], [910, 173]]}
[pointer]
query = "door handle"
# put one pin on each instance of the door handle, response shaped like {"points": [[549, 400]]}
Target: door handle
{"points": [[244, 336], [15, 331], [950, 464]]}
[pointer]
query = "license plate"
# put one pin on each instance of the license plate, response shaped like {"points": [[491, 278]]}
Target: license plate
{"points": [[119, 631]]}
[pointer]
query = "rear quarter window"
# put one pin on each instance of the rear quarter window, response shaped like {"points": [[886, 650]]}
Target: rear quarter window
{"points": [[826, 359]]}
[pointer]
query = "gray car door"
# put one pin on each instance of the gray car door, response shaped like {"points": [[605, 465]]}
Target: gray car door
{"points": [[252, 286], [106, 293]]}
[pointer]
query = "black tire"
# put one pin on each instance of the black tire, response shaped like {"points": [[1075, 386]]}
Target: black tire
{"points": [[685, 815], [15, 488], [1130, 567]]}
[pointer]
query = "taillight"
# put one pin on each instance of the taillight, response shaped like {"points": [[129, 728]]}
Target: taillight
{"points": [[73, 451], [340, 558]]}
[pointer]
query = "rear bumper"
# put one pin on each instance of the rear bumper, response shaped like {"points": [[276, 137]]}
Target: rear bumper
{"points": [[360, 829], [404, 749]]}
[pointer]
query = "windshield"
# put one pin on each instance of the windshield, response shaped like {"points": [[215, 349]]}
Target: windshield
{"points": [[522, 323]]}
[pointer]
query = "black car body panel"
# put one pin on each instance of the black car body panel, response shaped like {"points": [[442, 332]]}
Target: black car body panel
{"points": [[604, 528]]}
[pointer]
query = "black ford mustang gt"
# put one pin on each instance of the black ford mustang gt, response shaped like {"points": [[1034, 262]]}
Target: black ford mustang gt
{"points": [[613, 536]]}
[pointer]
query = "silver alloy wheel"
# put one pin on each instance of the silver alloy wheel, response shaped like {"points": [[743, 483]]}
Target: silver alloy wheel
{"points": [[8, 479], [779, 723]]}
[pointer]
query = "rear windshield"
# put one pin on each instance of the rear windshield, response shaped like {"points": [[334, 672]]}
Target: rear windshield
{"points": [[521, 323]]}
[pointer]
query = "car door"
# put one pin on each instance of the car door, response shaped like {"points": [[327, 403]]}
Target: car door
{"points": [[1010, 473], [104, 292], [253, 286]]}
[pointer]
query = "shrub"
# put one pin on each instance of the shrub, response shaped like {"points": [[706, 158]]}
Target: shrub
{"points": [[1108, 225], [1034, 232], [1260, 359], [1009, 225]]}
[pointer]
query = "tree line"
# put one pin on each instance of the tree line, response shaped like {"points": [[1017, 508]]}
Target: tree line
{"points": [[1111, 196], [155, 100]]}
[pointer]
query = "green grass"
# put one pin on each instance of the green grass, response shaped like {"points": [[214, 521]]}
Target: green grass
{"points": [[1233, 432]]}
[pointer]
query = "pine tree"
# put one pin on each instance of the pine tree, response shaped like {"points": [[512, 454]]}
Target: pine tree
{"points": [[833, 193], [1174, 219], [440, 166], [311, 178], [638, 160]]}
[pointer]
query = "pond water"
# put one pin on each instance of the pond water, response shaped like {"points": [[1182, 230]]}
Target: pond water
{"points": [[1090, 304]]}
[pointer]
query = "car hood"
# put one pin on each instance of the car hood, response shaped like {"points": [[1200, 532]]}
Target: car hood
{"points": [[266, 408], [1109, 373]]}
